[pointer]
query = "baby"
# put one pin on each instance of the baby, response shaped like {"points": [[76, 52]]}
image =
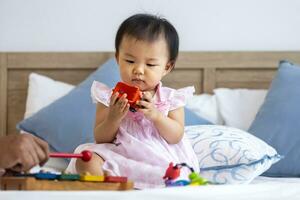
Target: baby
{"points": [[140, 145]]}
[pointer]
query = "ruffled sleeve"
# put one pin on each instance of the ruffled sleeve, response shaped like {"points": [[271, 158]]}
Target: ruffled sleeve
{"points": [[100, 93], [179, 97]]}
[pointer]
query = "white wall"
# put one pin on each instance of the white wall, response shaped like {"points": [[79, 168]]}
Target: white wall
{"points": [[203, 25]]}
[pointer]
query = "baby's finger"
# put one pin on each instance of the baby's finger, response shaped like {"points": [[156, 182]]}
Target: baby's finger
{"points": [[147, 96], [144, 104], [122, 100], [123, 103], [123, 97], [126, 108], [114, 98]]}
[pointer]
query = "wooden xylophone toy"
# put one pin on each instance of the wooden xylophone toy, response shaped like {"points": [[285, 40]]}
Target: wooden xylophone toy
{"points": [[64, 181]]}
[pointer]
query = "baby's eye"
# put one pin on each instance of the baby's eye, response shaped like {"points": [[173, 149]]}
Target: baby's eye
{"points": [[129, 61], [151, 65]]}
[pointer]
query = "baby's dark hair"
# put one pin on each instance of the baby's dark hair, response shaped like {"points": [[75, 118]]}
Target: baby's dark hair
{"points": [[149, 28]]}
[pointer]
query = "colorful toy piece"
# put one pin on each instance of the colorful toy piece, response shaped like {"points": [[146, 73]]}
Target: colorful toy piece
{"points": [[91, 178], [115, 179], [173, 172], [196, 179], [177, 183], [46, 176], [133, 94], [84, 155], [21, 174], [69, 177]]}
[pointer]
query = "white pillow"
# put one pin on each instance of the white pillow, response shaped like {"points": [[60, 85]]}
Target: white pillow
{"points": [[238, 107], [205, 105], [42, 91], [228, 155]]}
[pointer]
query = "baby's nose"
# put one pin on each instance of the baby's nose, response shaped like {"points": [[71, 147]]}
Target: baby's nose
{"points": [[138, 69]]}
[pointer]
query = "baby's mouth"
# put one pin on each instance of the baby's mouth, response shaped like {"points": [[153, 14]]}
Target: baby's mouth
{"points": [[135, 80]]}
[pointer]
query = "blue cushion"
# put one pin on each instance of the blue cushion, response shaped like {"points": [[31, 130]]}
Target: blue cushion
{"points": [[278, 120], [193, 119], [69, 121], [228, 155]]}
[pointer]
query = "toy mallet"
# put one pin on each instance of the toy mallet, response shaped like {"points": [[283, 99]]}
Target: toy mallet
{"points": [[84, 155]]}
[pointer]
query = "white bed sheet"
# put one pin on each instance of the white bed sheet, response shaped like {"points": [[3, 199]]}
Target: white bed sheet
{"points": [[262, 188]]}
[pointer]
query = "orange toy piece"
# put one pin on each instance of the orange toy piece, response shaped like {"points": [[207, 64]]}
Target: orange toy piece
{"points": [[133, 94]]}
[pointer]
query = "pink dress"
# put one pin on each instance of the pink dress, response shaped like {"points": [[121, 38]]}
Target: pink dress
{"points": [[139, 152]]}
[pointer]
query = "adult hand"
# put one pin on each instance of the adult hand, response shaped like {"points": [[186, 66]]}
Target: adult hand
{"points": [[20, 152]]}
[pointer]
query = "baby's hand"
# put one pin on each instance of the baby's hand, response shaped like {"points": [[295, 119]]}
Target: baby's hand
{"points": [[147, 106], [118, 107]]}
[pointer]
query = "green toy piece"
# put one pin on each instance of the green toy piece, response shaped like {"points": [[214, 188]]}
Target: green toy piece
{"points": [[196, 179], [69, 177]]}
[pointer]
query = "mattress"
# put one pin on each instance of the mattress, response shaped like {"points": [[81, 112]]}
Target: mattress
{"points": [[261, 188]]}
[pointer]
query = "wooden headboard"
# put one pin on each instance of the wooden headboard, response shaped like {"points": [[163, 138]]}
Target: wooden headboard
{"points": [[204, 70]]}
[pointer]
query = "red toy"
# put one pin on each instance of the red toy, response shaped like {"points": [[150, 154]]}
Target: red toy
{"points": [[133, 94], [84, 155], [173, 171]]}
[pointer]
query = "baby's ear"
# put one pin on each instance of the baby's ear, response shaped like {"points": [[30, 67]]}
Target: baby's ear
{"points": [[117, 57], [170, 65]]}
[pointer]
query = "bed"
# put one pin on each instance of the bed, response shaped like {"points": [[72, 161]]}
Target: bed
{"points": [[205, 70]]}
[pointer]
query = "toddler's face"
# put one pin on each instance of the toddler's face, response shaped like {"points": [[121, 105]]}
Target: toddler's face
{"points": [[142, 63]]}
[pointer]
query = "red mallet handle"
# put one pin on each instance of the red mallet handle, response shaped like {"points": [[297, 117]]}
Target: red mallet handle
{"points": [[84, 155]]}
